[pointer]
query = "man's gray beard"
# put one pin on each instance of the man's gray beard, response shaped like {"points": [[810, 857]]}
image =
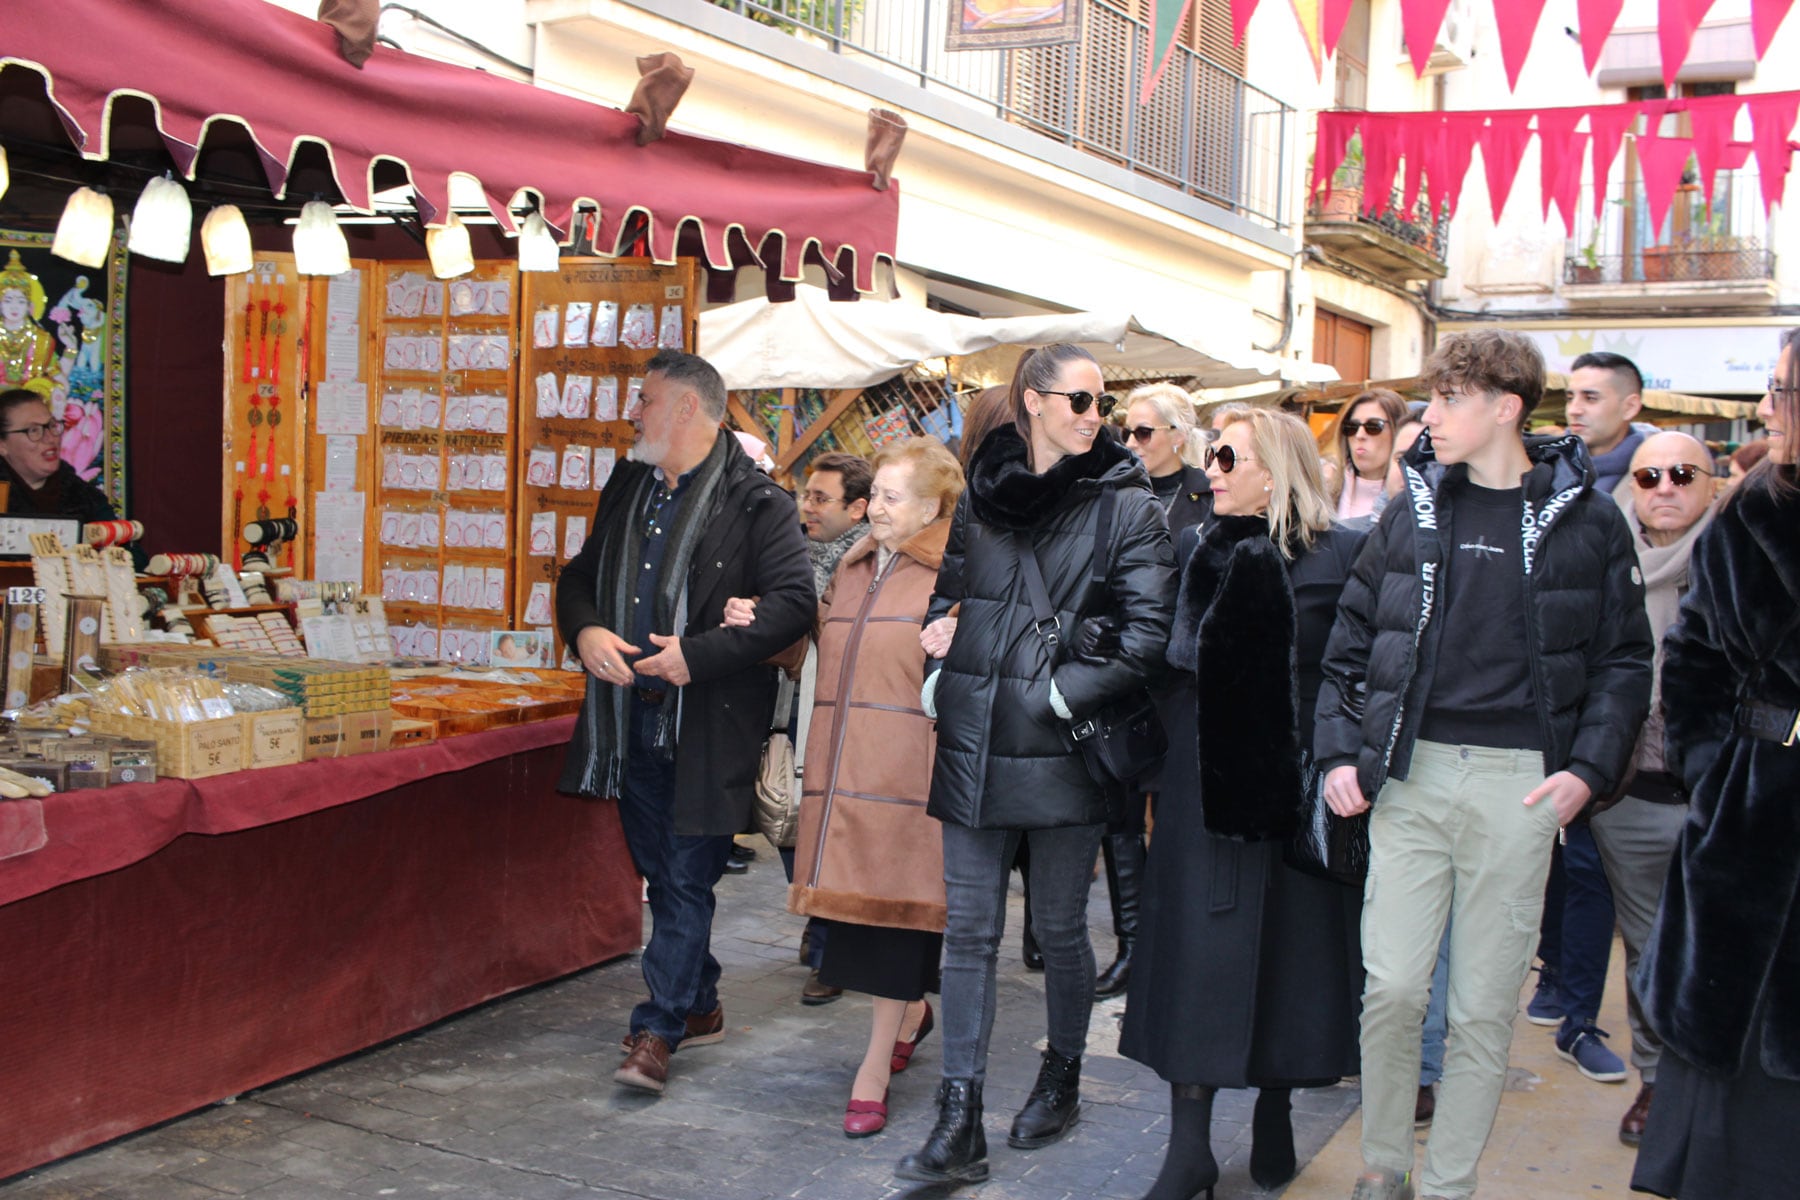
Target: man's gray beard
{"points": [[648, 453]]}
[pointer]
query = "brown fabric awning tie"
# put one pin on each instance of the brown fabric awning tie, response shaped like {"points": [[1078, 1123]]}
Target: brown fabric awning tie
{"points": [[887, 130], [355, 22], [662, 82]]}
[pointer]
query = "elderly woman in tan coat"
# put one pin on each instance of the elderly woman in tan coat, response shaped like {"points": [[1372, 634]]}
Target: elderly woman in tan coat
{"points": [[868, 858]]}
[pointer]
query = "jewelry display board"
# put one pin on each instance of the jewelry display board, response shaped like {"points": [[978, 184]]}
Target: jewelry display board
{"points": [[335, 394], [586, 332], [440, 527], [264, 468]]}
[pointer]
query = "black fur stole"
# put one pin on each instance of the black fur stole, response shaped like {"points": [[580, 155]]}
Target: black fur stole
{"points": [[1004, 492]]}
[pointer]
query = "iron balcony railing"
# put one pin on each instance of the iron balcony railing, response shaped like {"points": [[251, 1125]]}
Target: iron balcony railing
{"points": [[1695, 243], [1416, 228], [1207, 131]]}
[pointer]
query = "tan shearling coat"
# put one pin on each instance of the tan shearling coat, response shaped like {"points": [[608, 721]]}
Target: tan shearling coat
{"points": [[867, 852]]}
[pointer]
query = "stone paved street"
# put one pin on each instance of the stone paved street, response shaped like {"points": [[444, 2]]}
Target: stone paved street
{"points": [[515, 1101]]}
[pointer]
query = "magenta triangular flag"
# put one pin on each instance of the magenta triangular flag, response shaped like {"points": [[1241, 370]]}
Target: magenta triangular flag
{"points": [[1597, 20], [1333, 142], [1676, 21], [1503, 144], [1518, 21], [1607, 123], [1461, 131], [1331, 22], [1711, 118], [1556, 142], [1241, 11], [1420, 21], [1771, 120], [1661, 162], [1422, 141], [1765, 18], [1381, 159]]}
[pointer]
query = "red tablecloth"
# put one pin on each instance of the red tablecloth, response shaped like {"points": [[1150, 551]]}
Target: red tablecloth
{"points": [[175, 943]]}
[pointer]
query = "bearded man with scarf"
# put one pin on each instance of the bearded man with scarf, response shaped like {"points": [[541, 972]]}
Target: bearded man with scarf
{"points": [[678, 705]]}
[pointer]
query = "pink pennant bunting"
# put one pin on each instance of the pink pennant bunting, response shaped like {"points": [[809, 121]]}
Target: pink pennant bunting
{"points": [[1567, 182], [1381, 159], [1518, 21], [1557, 142], [1734, 156], [1241, 11], [1771, 121], [1661, 161], [1765, 18], [1422, 142], [1503, 144], [1444, 188], [1597, 20], [1420, 21], [1711, 119], [1331, 22], [1335, 131], [1607, 123], [1675, 24]]}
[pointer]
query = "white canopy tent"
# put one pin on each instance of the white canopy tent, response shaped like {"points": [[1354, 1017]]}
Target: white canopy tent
{"points": [[814, 342]]}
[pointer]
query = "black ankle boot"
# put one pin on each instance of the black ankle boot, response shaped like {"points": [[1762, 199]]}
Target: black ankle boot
{"points": [[1272, 1138], [1053, 1106], [1124, 857], [956, 1151], [1189, 1168]]}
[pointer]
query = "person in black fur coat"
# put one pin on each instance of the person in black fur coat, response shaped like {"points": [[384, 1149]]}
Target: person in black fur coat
{"points": [[1720, 975], [1278, 949]]}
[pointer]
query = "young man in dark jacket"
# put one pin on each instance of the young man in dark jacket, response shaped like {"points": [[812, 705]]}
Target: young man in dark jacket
{"points": [[1488, 671]]}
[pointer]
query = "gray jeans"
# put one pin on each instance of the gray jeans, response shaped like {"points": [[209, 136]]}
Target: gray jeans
{"points": [[976, 864], [1637, 838]]}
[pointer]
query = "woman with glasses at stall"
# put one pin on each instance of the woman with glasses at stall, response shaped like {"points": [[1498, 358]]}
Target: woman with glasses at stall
{"points": [[31, 461], [1363, 443], [1248, 971], [1005, 688]]}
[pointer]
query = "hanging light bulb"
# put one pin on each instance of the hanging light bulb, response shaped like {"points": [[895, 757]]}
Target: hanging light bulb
{"points": [[5, 174], [226, 240], [319, 245], [84, 235], [162, 224], [537, 245], [447, 246]]}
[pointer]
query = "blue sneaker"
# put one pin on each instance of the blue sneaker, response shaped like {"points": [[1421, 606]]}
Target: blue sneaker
{"points": [[1581, 1045], [1546, 1007]]}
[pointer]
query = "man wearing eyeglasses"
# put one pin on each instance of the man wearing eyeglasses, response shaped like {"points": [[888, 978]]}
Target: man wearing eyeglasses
{"points": [[1670, 505]]}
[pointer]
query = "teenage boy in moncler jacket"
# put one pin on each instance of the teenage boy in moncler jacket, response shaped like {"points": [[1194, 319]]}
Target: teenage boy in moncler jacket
{"points": [[1488, 671]]}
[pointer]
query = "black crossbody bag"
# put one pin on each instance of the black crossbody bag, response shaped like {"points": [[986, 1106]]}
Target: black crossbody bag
{"points": [[1124, 739]]}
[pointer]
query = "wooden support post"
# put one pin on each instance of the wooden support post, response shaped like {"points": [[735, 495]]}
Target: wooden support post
{"points": [[784, 425], [748, 423], [835, 409]]}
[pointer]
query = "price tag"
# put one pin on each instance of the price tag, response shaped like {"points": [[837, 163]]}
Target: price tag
{"points": [[24, 595]]}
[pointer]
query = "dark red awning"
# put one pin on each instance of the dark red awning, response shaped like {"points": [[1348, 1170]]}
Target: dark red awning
{"points": [[280, 76]]}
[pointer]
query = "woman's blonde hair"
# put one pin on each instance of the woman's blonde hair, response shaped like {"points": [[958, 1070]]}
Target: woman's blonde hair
{"points": [[936, 473], [1298, 508], [1174, 408]]}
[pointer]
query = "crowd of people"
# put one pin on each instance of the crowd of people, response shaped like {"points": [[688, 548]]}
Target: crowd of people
{"points": [[1526, 687]]}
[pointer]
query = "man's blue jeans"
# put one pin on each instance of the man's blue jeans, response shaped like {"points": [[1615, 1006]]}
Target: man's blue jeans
{"points": [[1437, 1017], [1577, 932], [679, 969]]}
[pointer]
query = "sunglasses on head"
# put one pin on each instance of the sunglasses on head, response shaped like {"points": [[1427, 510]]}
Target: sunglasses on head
{"points": [[1226, 457], [1680, 475], [1144, 433], [1080, 402], [1373, 426]]}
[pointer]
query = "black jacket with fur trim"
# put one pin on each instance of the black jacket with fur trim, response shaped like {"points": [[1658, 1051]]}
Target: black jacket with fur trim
{"points": [[1003, 760], [1726, 940], [1589, 637]]}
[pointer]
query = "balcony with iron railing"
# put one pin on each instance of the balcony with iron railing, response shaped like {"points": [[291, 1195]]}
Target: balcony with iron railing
{"points": [[1207, 133], [1700, 253], [1392, 241]]}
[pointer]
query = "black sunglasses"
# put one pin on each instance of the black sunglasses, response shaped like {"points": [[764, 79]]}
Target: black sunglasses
{"points": [[1681, 474], [1080, 402], [1374, 426], [1144, 433], [1226, 457]]}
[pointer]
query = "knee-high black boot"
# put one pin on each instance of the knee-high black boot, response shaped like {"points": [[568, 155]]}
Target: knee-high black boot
{"points": [[1124, 855], [956, 1150], [1272, 1138], [1189, 1168]]}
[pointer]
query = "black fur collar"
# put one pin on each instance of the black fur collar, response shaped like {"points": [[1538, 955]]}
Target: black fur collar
{"points": [[1004, 492]]}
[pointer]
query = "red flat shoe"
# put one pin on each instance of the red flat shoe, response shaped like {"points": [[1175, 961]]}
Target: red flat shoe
{"points": [[865, 1118], [903, 1051]]}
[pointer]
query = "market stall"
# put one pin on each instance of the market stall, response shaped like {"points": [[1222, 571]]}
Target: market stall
{"points": [[352, 377]]}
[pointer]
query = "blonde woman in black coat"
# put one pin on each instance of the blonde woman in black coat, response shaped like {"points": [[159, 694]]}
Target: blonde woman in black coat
{"points": [[1277, 949]]}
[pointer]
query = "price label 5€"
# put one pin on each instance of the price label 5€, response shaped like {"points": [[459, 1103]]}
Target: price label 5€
{"points": [[24, 595]]}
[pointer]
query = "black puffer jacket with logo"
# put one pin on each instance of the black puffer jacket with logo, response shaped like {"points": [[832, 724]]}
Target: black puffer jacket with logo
{"points": [[1587, 631], [1003, 761]]}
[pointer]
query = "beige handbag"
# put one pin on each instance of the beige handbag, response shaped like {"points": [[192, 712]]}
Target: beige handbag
{"points": [[778, 777]]}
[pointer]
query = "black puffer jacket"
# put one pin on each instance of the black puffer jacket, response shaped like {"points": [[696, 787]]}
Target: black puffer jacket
{"points": [[1002, 759], [1586, 629]]}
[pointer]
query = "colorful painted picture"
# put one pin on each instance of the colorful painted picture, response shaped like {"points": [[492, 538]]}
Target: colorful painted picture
{"points": [[518, 648], [1009, 24], [61, 336]]}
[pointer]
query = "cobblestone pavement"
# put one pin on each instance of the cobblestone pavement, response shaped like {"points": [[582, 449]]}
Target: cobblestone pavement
{"points": [[515, 1101]]}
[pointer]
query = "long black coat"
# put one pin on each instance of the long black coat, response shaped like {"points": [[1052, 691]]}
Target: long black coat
{"points": [[1586, 628], [1727, 937], [751, 546], [1247, 973], [1002, 758]]}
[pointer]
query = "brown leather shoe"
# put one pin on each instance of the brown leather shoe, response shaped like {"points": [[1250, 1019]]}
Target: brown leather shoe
{"points": [[1425, 1107], [816, 992], [647, 1066], [704, 1029], [1631, 1128]]}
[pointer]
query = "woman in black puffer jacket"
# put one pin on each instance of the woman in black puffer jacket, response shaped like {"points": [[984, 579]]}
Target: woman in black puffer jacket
{"points": [[1006, 768]]}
